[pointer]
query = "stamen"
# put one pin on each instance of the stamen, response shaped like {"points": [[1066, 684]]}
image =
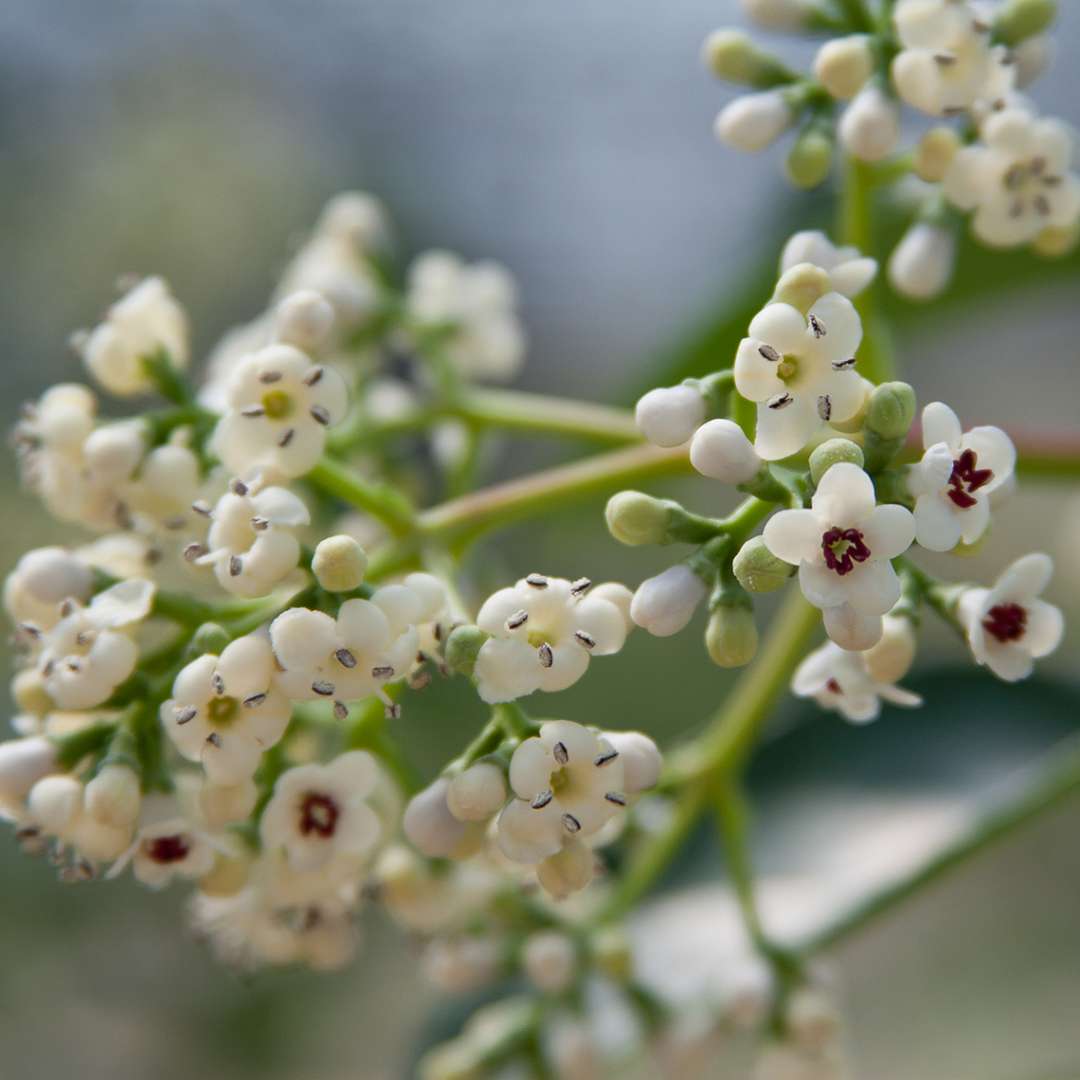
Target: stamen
{"points": [[254, 700], [418, 680], [843, 548], [383, 671], [615, 797], [217, 682], [322, 688], [345, 658], [214, 739], [392, 711], [780, 401], [236, 566], [816, 325], [585, 639], [537, 581], [843, 365], [268, 377], [824, 407], [547, 657], [186, 715], [944, 59], [571, 823], [542, 800], [260, 524], [253, 411], [605, 758], [238, 487], [341, 710], [286, 438], [560, 753], [580, 587], [67, 607], [770, 354], [1006, 622], [313, 377], [519, 618], [320, 414]]}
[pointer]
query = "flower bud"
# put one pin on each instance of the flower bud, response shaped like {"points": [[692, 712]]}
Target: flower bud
{"points": [[640, 757], [870, 126], [550, 961], [210, 638], [731, 636], [113, 451], [23, 762], [777, 14], [229, 875], [921, 265], [934, 153], [732, 55], [664, 604], [615, 592], [568, 871], [223, 804], [28, 690], [51, 575], [1056, 242], [721, 450], [802, 286], [891, 410], [99, 842], [843, 65], [304, 319], [832, 452], [430, 826], [758, 570], [1021, 19], [462, 647], [891, 658], [1031, 58], [754, 121], [55, 802], [339, 563], [669, 415], [810, 159], [114, 796], [477, 793], [634, 518]]}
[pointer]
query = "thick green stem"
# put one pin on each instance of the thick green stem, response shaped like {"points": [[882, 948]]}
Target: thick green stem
{"points": [[380, 500]]}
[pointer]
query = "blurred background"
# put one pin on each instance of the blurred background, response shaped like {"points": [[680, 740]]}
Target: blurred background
{"points": [[572, 142]]}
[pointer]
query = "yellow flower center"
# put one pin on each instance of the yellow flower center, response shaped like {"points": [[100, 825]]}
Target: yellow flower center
{"points": [[277, 404], [222, 711]]}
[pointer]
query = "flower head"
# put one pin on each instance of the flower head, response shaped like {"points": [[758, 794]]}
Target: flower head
{"points": [[840, 680], [169, 843]]}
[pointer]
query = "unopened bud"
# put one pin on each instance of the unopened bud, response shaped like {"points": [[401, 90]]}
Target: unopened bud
{"points": [[891, 658], [758, 570], [731, 636], [228, 876], [754, 121], [832, 452], [568, 871], [339, 563], [114, 796], [640, 757], [732, 55], [23, 762], [223, 804], [802, 286], [1022, 19], [432, 829], [664, 604], [721, 451], [934, 153], [635, 518], [477, 793], [1031, 58], [28, 690], [550, 960], [891, 410], [921, 265], [843, 65], [209, 638], [810, 159], [669, 415], [870, 126], [55, 802], [778, 14], [304, 319], [1057, 241], [462, 647]]}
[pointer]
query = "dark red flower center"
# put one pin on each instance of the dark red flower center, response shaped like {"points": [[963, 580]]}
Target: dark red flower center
{"points": [[1006, 622], [843, 548], [834, 687], [966, 479], [318, 814], [167, 849]]}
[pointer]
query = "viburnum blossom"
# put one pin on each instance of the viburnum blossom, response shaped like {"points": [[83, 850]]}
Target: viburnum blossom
{"points": [[954, 482], [800, 369], [42, 579], [1008, 626], [1016, 179], [279, 405], [850, 272], [843, 546], [543, 631], [169, 843]]}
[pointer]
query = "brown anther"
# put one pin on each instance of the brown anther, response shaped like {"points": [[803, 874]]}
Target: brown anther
{"points": [[254, 700], [581, 586], [382, 671], [286, 438], [519, 618], [268, 377], [824, 407], [541, 800], [816, 325], [605, 758], [345, 658], [585, 638], [214, 739], [770, 354], [236, 566], [843, 365], [253, 411], [615, 797], [560, 753], [238, 487], [780, 401], [320, 414], [322, 688], [571, 823], [260, 524], [217, 682], [537, 581], [313, 377], [201, 507], [186, 715], [341, 710], [547, 657]]}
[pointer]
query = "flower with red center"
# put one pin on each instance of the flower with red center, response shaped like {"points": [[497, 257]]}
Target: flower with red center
{"points": [[958, 475], [168, 844], [321, 813], [843, 546], [1009, 626]]}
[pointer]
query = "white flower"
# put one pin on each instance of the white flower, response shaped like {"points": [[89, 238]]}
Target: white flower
{"points": [[477, 302], [57, 805], [144, 321], [947, 62], [843, 545], [23, 762], [800, 370], [891, 658], [251, 543], [839, 680], [163, 489], [89, 652], [640, 757], [225, 710], [319, 813], [543, 630], [669, 415], [754, 121], [168, 844], [568, 782], [1017, 180], [664, 604], [371, 643], [721, 451], [956, 478], [433, 829], [921, 265], [304, 319], [1008, 626], [849, 271], [41, 581], [279, 407], [870, 126]]}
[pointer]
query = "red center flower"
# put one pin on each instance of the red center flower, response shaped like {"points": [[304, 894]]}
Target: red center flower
{"points": [[318, 814], [834, 687], [1006, 622], [167, 849], [966, 479], [843, 548]]}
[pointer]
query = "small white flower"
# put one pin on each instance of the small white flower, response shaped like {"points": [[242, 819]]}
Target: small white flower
{"points": [[1008, 627], [225, 710], [304, 319], [839, 680], [947, 62], [568, 782], [41, 581], [89, 652], [543, 631], [477, 792], [477, 302], [144, 321], [664, 604], [1017, 180], [849, 271], [870, 126], [167, 482], [167, 845], [800, 370], [252, 543], [843, 544], [754, 121], [550, 959], [954, 482], [433, 829], [279, 406], [722, 452], [319, 813], [921, 265], [372, 642], [669, 415], [57, 805], [23, 762]]}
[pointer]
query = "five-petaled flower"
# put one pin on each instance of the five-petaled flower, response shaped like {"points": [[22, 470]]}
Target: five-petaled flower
{"points": [[849, 270]]}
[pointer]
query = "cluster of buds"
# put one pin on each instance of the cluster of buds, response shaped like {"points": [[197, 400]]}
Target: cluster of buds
{"points": [[959, 62]]}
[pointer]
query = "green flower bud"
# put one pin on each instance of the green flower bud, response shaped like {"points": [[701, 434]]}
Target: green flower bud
{"points": [[1021, 19], [462, 647], [891, 410], [731, 636], [209, 638], [810, 159], [830, 453], [758, 570], [733, 56], [339, 563], [802, 286], [635, 518]]}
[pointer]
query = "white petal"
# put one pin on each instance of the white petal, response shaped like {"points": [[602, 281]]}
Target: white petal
{"points": [[889, 531], [569, 662], [851, 277], [1045, 628], [994, 450], [246, 666], [497, 608], [363, 626], [781, 326], [281, 507], [192, 686], [794, 536], [824, 588], [850, 630], [506, 669], [974, 520], [756, 377], [938, 525], [531, 768], [303, 639], [401, 605], [783, 432], [1025, 579], [1008, 661], [843, 328], [526, 835], [603, 621], [845, 496], [875, 588], [124, 603]]}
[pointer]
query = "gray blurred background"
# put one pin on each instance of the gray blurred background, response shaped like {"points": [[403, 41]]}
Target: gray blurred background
{"points": [[571, 141]]}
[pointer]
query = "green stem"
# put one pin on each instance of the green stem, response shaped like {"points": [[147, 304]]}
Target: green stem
{"points": [[379, 500], [856, 14]]}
